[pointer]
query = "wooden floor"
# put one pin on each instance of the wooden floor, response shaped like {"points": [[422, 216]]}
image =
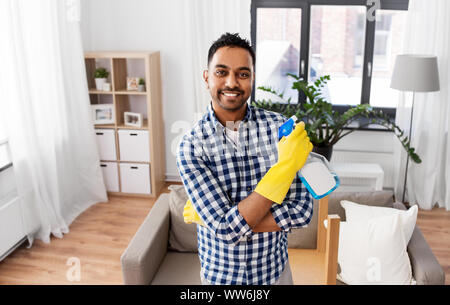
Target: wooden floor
{"points": [[435, 226], [99, 236]]}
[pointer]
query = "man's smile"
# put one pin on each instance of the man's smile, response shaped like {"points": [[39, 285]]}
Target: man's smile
{"points": [[230, 94]]}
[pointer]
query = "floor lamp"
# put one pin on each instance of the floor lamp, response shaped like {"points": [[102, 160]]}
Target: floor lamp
{"points": [[416, 73]]}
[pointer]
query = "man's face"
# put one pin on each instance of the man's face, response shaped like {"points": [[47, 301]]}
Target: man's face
{"points": [[229, 77]]}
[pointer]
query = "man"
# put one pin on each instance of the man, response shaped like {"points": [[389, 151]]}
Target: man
{"points": [[234, 169]]}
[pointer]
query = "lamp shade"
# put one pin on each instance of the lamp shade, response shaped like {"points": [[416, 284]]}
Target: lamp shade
{"points": [[417, 73]]}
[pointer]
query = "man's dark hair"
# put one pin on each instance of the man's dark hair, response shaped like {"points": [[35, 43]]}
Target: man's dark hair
{"points": [[230, 40]]}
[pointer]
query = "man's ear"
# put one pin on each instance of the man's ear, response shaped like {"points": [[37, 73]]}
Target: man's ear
{"points": [[205, 78]]}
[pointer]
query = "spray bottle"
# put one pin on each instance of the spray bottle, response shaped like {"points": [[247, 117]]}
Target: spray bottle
{"points": [[317, 174]]}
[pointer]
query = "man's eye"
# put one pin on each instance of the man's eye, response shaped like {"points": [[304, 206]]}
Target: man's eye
{"points": [[220, 72], [244, 75]]}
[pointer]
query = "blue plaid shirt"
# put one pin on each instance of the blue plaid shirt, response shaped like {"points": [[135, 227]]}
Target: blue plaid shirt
{"points": [[217, 174]]}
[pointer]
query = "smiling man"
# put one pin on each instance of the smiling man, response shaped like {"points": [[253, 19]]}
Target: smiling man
{"points": [[229, 81], [244, 193]]}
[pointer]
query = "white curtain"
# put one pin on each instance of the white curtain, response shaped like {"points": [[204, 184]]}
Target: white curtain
{"points": [[428, 183], [44, 104], [206, 21]]}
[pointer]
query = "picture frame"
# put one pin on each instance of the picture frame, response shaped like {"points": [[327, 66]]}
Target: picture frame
{"points": [[103, 114], [132, 83], [133, 119]]}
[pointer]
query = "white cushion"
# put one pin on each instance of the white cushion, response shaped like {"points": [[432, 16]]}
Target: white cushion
{"points": [[374, 252], [364, 213]]}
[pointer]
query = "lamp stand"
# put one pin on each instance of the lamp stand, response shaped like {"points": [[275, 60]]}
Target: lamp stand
{"points": [[407, 156]]}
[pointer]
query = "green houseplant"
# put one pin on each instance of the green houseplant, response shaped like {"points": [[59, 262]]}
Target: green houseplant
{"points": [[100, 75], [325, 126], [141, 85]]}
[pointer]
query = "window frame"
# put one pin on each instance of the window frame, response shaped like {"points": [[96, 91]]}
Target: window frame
{"points": [[369, 42]]}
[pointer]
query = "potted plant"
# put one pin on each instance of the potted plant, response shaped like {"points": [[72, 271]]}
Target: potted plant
{"points": [[101, 74], [325, 126], [141, 86]]}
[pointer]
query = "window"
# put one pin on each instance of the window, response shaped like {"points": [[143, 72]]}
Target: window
{"points": [[278, 51], [336, 48], [389, 29], [311, 38]]}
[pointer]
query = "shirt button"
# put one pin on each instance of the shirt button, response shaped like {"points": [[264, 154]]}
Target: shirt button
{"points": [[249, 189]]}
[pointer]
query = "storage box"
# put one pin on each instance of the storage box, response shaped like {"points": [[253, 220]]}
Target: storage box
{"points": [[134, 145], [110, 176], [106, 143], [135, 178]]}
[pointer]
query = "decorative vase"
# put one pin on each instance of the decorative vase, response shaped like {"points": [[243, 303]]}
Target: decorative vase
{"points": [[141, 88], [325, 151], [99, 83]]}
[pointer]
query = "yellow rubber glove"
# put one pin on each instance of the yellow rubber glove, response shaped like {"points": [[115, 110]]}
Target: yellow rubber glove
{"points": [[292, 154], [190, 215]]}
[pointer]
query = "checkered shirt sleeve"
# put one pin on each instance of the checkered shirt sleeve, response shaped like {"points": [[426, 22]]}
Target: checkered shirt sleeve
{"points": [[296, 209]]}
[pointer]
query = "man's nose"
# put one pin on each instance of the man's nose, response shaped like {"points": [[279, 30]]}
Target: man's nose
{"points": [[231, 81]]}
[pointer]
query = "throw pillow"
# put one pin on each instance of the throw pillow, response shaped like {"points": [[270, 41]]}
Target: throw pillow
{"points": [[182, 236], [360, 212], [374, 252], [306, 237]]}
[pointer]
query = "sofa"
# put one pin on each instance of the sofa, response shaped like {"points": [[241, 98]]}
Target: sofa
{"points": [[164, 249]]}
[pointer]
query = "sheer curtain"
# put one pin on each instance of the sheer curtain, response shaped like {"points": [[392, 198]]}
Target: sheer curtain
{"points": [[44, 105], [428, 183], [205, 21]]}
